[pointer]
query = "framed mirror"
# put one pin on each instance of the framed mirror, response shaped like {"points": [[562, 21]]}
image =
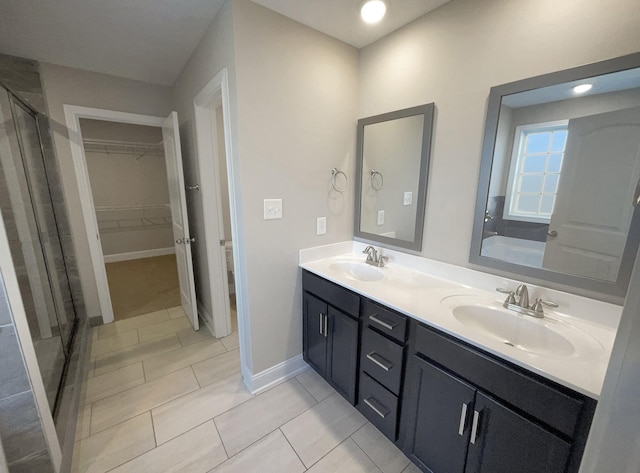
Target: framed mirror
{"points": [[560, 170], [391, 176]]}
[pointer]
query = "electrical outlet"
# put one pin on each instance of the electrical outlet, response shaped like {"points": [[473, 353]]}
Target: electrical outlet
{"points": [[272, 209], [380, 217], [321, 226], [407, 198]]}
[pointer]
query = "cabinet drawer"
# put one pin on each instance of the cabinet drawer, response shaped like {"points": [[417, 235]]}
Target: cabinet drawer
{"points": [[381, 359], [345, 300], [379, 406], [385, 320], [545, 402]]}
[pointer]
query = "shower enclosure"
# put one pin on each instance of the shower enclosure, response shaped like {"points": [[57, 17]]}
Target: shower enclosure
{"points": [[32, 219]]}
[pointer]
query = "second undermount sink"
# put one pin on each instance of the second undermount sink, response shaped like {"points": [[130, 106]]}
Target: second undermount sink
{"points": [[547, 337], [357, 270]]}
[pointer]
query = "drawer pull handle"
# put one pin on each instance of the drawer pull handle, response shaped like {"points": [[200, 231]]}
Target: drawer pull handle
{"points": [[463, 419], [326, 318], [381, 362], [374, 408], [374, 318], [321, 323], [474, 428]]}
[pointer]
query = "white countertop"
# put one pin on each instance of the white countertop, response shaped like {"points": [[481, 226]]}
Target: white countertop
{"points": [[421, 289]]}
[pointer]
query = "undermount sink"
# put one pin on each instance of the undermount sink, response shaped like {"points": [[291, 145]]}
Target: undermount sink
{"points": [[547, 337], [359, 271]]}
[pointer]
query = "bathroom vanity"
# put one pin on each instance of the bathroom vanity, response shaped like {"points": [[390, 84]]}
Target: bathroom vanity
{"points": [[452, 395]]}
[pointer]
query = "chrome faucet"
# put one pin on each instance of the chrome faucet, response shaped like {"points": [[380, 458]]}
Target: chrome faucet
{"points": [[372, 254], [373, 258], [518, 301], [523, 296]]}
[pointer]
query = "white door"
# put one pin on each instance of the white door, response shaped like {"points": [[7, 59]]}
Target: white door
{"points": [[592, 214], [219, 271], [182, 239]]}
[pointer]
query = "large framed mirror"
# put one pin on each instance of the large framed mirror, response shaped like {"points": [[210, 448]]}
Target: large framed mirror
{"points": [[391, 178], [560, 168]]}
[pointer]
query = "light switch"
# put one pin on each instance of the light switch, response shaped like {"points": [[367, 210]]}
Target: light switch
{"points": [[407, 198], [321, 226], [272, 209], [380, 217]]}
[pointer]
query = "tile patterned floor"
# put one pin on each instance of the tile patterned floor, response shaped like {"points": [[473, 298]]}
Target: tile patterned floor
{"points": [[161, 398]]}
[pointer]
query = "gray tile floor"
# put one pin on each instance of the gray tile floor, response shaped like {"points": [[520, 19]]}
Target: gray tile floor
{"points": [[160, 397]]}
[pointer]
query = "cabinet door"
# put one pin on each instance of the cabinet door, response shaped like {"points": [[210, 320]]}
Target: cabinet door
{"points": [[439, 417], [314, 339], [343, 354], [507, 442]]}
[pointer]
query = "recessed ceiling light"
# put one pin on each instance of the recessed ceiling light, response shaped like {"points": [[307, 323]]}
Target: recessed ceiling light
{"points": [[582, 88], [373, 11]]}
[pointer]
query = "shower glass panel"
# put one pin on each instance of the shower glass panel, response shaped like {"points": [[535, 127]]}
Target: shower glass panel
{"points": [[33, 235]]}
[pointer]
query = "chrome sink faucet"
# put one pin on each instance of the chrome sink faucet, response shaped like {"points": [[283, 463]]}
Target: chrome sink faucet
{"points": [[523, 296], [521, 304], [373, 258]]}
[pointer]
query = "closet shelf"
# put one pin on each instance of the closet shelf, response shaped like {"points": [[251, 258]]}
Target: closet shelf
{"points": [[123, 148]]}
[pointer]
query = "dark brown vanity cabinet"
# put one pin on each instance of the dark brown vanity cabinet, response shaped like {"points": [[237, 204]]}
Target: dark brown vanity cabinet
{"points": [[467, 412], [331, 333]]}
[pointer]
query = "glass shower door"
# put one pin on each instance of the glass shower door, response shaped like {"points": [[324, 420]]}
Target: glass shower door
{"points": [[33, 237]]}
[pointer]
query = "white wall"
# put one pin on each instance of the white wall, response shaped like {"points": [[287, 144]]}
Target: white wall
{"points": [[453, 56], [296, 92], [63, 85]]}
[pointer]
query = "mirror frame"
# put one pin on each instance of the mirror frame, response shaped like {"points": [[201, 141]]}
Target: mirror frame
{"points": [[616, 288], [427, 111]]}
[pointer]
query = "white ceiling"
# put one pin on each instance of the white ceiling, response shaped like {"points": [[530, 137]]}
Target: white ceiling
{"points": [[151, 40], [341, 18], [148, 40]]}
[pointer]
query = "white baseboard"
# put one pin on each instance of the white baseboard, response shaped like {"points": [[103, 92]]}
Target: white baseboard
{"points": [[206, 317], [139, 254], [275, 375]]}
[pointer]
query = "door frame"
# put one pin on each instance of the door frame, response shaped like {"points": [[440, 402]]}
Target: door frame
{"points": [[73, 114], [217, 91]]}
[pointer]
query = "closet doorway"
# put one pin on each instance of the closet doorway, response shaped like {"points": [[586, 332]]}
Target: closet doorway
{"points": [[126, 166], [108, 136]]}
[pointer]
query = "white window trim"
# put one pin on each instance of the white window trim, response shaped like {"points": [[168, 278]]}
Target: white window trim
{"points": [[513, 169]]}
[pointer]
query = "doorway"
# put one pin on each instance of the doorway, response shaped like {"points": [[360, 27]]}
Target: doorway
{"points": [[174, 177], [126, 167]]}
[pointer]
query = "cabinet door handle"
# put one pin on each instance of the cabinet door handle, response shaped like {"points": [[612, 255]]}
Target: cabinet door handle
{"points": [[463, 419], [321, 323], [374, 408], [326, 318], [382, 362], [474, 427], [374, 318]]}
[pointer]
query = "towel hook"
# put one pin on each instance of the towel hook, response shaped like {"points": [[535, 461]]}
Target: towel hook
{"points": [[375, 173], [334, 174]]}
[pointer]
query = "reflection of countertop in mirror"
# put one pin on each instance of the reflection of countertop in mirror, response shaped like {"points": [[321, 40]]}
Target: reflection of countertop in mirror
{"points": [[570, 346]]}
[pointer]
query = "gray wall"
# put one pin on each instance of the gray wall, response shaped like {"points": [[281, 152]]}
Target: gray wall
{"points": [[293, 113], [214, 53], [296, 105], [453, 56]]}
